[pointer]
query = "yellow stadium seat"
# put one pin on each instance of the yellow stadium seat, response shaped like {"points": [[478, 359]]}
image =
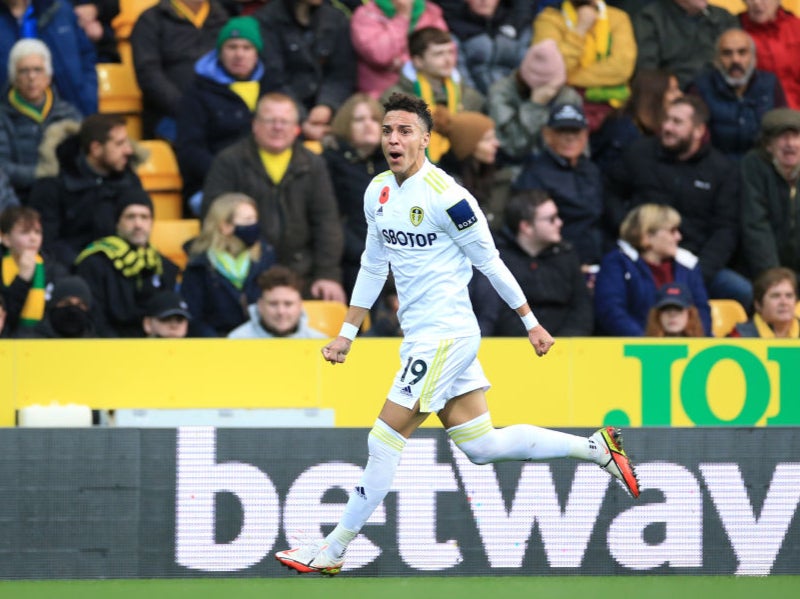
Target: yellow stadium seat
{"points": [[161, 178], [738, 6], [797, 309], [325, 316], [725, 314], [119, 93], [169, 236], [129, 11]]}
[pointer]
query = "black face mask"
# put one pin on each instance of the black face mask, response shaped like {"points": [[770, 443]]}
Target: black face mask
{"points": [[249, 234], [69, 321]]}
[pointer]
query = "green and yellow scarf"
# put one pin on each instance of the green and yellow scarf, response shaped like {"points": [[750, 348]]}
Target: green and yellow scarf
{"points": [[439, 144], [33, 309], [36, 113], [128, 260]]}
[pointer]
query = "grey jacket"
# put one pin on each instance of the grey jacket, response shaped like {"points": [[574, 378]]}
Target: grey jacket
{"points": [[253, 329]]}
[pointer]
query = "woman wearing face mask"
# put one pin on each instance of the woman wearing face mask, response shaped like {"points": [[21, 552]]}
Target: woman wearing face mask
{"points": [[224, 263], [68, 314]]}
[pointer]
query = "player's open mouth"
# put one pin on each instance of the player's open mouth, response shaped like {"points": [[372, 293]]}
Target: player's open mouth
{"points": [[395, 155]]}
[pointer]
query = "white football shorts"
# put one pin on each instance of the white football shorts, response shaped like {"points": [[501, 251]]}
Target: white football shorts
{"points": [[434, 371]]}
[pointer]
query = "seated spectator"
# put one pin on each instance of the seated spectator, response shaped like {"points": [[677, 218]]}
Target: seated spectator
{"points": [[674, 314], [520, 103], [652, 91], [74, 57], [681, 169], [648, 257], [770, 182], [599, 50], [776, 33], [308, 56], [69, 314], [224, 263], [737, 94], [123, 271], [166, 42], [774, 299], [24, 273], [26, 110], [492, 37], [354, 156], [7, 196], [379, 30], [166, 316], [217, 107], [432, 75], [83, 169], [679, 36], [291, 185], [547, 268], [278, 313], [570, 179]]}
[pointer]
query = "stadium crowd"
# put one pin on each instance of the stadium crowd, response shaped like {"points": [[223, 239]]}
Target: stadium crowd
{"points": [[637, 161]]}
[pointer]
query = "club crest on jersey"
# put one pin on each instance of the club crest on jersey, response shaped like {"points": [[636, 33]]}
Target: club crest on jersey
{"points": [[384, 195], [462, 215], [416, 214]]}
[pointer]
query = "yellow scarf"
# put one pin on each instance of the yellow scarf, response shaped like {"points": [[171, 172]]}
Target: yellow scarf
{"points": [[598, 38], [276, 165], [33, 309], [34, 113], [439, 144], [247, 91], [765, 331], [197, 19], [125, 258]]}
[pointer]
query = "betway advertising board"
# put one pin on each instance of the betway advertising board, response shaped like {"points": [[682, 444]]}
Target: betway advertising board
{"points": [[200, 502]]}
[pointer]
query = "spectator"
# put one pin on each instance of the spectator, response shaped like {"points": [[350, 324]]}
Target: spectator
{"points": [[652, 91], [379, 30], [30, 106], [431, 74], [776, 33], [7, 195], [225, 261], [674, 314], [599, 50], [69, 313], [679, 36], [123, 271], [547, 268], [737, 94], [166, 42], [492, 37], [520, 103], [83, 170], [296, 204], [679, 168], [95, 18], [308, 56], [166, 316], [353, 155], [647, 258], [278, 313], [54, 23], [775, 298], [770, 185], [570, 179], [217, 108], [24, 273]]}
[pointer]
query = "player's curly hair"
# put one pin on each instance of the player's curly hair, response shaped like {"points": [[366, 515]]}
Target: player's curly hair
{"points": [[408, 103]]}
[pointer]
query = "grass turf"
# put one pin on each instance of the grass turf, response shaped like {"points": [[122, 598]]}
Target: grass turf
{"points": [[644, 587]]}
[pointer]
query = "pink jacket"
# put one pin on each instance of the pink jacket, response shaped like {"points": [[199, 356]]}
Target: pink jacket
{"points": [[381, 44]]}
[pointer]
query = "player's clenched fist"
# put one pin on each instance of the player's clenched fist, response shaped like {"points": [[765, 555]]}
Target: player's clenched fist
{"points": [[541, 340], [336, 351]]}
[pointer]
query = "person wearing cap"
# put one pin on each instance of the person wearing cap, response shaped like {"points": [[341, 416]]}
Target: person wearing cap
{"points": [[674, 314], [770, 186], [166, 42], [123, 271], [647, 257], [217, 107], [775, 302], [166, 316], [520, 103], [71, 313], [570, 178]]}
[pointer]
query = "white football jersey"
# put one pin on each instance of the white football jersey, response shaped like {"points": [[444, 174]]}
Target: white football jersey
{"points": [[418, 230]]}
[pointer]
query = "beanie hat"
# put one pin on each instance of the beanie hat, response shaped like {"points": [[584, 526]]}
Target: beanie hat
{"points": [[132, 196], [543, 64], [463, 129], [245, 28], [72, 286]]}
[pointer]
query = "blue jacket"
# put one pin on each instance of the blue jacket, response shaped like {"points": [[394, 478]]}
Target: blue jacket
{"points": [[625, 291], [735, 122], [74, 56]]}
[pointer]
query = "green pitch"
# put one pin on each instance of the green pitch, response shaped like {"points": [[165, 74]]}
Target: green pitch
{"points": [[342, 587]]}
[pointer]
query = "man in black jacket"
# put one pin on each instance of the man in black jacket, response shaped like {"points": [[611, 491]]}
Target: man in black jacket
{"points": [[547, 268]]}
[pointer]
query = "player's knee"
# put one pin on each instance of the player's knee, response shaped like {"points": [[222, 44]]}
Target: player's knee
{"points": [[480, 451]]}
